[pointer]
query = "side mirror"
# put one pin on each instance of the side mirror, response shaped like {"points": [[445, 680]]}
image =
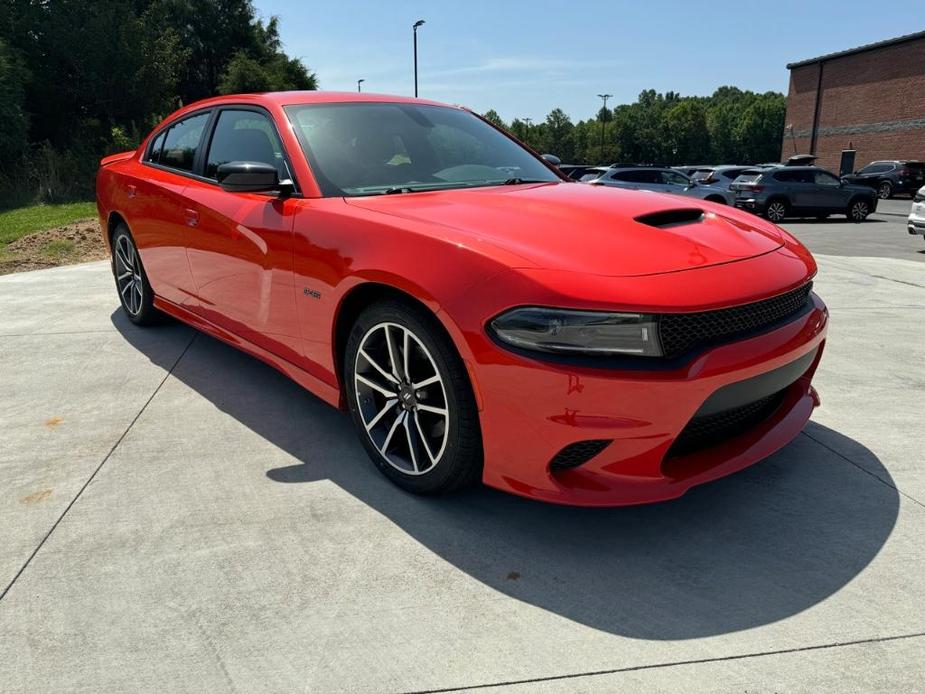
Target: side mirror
{"points": [[250, 177], [552, 159]]}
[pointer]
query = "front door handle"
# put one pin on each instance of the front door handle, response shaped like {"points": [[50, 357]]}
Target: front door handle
{"points": [[132, 191], [192, 217]]}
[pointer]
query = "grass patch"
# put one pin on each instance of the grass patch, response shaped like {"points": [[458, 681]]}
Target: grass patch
{"points": [[58, 249], [16, 223]]}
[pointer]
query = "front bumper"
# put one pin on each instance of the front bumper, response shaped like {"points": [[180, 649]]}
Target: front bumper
{"points": [[533, 409]]}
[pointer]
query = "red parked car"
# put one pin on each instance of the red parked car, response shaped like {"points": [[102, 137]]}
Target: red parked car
{"points": [[480, 316]]}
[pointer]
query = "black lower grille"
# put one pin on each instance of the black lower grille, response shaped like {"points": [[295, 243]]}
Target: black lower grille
{"points": [[577, 453], [682, 332], [709, 430]]}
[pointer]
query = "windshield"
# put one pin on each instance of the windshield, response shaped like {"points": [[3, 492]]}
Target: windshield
{"points": [[375, 148]]}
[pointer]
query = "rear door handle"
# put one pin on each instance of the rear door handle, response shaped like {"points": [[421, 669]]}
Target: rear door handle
{"points": [[192, 217]]}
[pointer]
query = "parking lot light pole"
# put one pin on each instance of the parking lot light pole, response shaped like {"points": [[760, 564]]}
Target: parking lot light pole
{"points": [[414, 28], [359, 82], [604, 97]]}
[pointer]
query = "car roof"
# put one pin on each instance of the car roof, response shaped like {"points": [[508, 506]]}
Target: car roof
{"points": [[298, 98]]}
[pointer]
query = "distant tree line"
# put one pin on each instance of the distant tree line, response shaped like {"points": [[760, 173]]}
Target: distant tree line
{"points": [[81, 79], [731, 126]]}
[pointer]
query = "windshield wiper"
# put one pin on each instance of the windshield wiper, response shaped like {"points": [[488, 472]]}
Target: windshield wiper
{"points": [[516, 180]]}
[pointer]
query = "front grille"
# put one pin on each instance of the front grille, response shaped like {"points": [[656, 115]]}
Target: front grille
{"points": [[577, 453], [683, 332], [709, 430]]}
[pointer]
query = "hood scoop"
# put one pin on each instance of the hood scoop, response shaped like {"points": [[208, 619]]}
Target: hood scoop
{"points": [[667, 219]]}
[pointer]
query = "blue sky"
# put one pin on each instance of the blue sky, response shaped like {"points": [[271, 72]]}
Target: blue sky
{"points": [[525, 58]]}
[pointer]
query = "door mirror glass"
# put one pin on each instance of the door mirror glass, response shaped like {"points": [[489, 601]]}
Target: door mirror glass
{"points": [[552, 159], [248, 177]]}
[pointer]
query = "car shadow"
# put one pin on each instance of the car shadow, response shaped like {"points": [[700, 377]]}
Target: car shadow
{"points": [[748, 550]]}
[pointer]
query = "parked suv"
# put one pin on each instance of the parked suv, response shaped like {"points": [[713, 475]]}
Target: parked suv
{"points": [[891, 178], [658, 179], [721, 176], [917, 216], [802, 191]]}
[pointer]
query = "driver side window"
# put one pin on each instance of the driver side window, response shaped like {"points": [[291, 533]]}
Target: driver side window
{"points": [[245, 136]]}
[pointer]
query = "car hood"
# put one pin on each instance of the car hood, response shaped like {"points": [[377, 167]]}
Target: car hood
{"points": [[589, 229]]}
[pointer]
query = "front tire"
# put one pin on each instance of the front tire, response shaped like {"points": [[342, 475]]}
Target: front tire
{"points": [[885, 190], [132, 284], [858, 210], [410, 399]]}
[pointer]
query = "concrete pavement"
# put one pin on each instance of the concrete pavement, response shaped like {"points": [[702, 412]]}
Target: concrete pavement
{"points": [[178, 517]]}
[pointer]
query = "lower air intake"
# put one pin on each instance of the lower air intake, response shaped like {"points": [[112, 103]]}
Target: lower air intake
{"points": [[577, 453], [709, 430]]}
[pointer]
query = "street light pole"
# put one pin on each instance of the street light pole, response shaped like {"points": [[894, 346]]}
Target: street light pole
{"points": [[529, 122], [604, 97], [414, 28], [359, 82]]}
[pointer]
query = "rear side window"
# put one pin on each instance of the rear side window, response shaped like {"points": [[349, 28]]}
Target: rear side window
{"points": [[245, 136], [182, 142], [154, 154], [674, 178], [876, 168], [783, 176], [638, 176]]}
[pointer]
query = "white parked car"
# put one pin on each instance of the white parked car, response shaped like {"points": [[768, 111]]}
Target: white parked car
{"points": [[917, 216]]}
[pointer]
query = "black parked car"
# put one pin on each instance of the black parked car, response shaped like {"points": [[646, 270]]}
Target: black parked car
{"points": [[890, 178], [801, 191]]}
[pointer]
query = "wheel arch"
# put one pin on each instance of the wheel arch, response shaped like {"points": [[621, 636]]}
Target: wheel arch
{"points": [[362, 295], [114, 219]]}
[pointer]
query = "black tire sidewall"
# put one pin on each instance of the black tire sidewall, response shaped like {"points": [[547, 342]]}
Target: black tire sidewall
{"points": [[460, 464], [147, 315]]}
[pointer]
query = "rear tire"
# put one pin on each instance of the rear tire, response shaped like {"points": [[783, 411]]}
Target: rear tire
{"points": [[885, 190], [411, 401], [132, 284], [858, 210], [777, 210]]}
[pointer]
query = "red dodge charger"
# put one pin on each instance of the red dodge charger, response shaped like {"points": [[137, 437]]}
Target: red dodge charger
{"points": [[479, 315]]}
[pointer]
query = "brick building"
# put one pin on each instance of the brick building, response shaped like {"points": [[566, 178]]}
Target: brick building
{"points": [[871, 99]]}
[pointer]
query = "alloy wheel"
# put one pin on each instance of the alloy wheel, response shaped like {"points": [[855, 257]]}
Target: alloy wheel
{"points": [[884, 191], [128, 275], [777, 211], [401, 398], [859, 211]]}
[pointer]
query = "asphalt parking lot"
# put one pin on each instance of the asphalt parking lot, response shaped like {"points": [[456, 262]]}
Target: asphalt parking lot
{"points": [[179, 517]]}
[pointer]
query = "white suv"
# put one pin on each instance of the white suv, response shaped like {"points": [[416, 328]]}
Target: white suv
{"points": [[917, 217]]}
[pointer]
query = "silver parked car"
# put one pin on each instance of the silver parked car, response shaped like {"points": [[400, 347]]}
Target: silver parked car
{"points": [[657, 179]]}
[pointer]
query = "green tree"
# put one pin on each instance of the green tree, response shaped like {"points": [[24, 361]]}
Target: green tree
{"points": [[14, 134], [686, 136], [558, 135], [491, 115]]}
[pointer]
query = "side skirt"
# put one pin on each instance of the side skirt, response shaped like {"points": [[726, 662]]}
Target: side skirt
{"points": [[325, 391]]}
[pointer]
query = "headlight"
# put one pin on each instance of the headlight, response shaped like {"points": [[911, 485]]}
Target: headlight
{"points": [[578, 332], [920, 196]]}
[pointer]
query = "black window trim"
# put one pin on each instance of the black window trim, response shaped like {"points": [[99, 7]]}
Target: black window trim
{"points": [[213, 122], [205, 141], [180, 172]]}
